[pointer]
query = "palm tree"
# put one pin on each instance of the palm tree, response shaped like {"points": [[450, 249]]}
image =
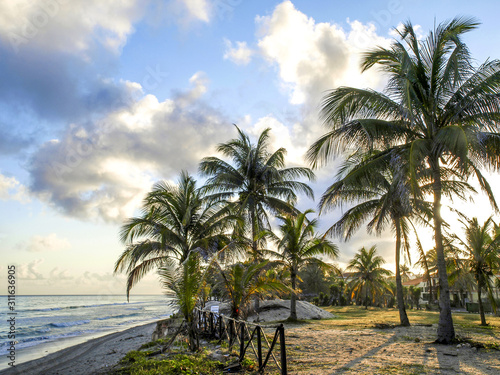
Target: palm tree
{"points": [[381, 197], [184, 284], [428, 262], [368, 273], [175, 220], [240, 282], [438, 109], [482, 257], [299, 246], [256, 182], [406, 273], [425, 261]]}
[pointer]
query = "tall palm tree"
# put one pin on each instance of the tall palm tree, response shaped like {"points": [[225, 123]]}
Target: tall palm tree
{"points": [[438, 109], [299, 246], [481, 248], [368, 273], [381, 194], [254, 182], [175, 220]]}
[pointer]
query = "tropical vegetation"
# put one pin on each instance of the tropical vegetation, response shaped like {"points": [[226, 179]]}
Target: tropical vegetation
{"points": [[298, 246], [433, 128], [480, 250], [175, 220], [368, 278], [438, 109], [255, 183]]}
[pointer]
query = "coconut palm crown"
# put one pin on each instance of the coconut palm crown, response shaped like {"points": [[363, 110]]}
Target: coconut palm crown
{"points": [[437, 109], [255, 182], [368, 275], [298, 246], [175, 220]]}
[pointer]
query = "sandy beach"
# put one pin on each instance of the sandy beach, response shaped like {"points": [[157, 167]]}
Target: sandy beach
{"points": [[90, 357]]}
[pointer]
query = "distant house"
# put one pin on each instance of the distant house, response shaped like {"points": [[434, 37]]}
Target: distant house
{"points": [[422, 282], [459, 297]]}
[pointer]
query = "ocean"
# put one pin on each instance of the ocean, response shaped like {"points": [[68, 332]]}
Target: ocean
{"points": [[44, 324]]}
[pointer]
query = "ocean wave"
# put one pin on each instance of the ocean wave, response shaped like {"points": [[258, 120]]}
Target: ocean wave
{"points": [[117, 316], [69, 324], [86, 306], [32, 341]]}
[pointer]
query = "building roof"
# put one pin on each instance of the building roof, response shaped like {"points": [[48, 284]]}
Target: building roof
{"points": [[414, 282]]}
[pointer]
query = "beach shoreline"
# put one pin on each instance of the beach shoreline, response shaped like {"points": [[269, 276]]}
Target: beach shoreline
{"points": [[90, 357]]}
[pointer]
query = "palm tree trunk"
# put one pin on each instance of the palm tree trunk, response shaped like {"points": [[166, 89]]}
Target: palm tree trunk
{"points": [[446, 331], [366, 296], [431, 290], [254, 233], [403, 317], [293, 299], [193, 337], [255, 253], [481, 307]]}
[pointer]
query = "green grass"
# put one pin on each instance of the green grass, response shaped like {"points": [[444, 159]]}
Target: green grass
{"points": [[356, 317], [137, 363]]}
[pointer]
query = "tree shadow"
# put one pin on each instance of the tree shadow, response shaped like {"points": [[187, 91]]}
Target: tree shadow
{"points": [[371, 352], [444, 352]]}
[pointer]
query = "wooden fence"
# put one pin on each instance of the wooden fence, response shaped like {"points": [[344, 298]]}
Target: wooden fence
{"points": [[246, 335]]}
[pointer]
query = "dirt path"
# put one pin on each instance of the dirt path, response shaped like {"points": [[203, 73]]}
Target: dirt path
{"points": [[399, 350]]}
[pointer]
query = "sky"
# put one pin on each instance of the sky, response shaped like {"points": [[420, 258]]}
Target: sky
{"points": [[99, 99]]}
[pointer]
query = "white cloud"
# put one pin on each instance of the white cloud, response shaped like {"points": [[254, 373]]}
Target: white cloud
{"points": [[280, 136], [184, 12], [30, 271], [69, 26], [56, 274], [313, 57], [240, 55], [11, 189], [50, 242], [103, 170], [419, 31]]}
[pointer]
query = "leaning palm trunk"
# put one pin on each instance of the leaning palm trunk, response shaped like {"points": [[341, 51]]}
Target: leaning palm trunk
{"points": [[403, 317], [446, 331]]}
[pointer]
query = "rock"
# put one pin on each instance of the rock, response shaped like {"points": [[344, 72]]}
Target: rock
{"points": [[276, 310], [165, 327]]}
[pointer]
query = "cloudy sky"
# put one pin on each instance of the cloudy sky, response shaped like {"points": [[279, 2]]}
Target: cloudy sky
{"points": [[100, 99]]}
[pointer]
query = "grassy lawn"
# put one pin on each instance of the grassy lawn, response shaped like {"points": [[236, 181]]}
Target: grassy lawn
{"points": [[356, 317]]}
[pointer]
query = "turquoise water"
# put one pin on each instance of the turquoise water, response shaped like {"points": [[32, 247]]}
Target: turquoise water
{"points": [[44, 320]]}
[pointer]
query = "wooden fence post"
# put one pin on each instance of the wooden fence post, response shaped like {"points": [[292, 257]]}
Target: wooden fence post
{"points": [[282, 350], [259, 346], [242, 341]]}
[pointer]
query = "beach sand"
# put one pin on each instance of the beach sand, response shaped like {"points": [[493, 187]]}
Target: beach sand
{"points": [[88, 358], [400, 350]]}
